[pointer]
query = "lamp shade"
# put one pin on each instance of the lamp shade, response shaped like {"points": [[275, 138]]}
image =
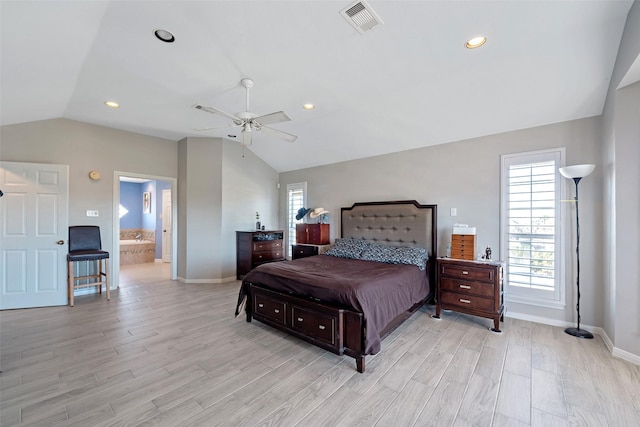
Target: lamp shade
{"points": [[576, 171]]}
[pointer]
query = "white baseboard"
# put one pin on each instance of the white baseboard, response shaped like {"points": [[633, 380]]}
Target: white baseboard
{"points": [[625, 355], [158, 260], [222, 280]]}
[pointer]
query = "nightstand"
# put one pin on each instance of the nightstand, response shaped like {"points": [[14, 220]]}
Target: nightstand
{"points": [[305, 250], [472, 287]]}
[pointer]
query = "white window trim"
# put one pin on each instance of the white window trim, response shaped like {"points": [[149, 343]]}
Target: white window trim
{"points": [[294, 186], [528, 296]]}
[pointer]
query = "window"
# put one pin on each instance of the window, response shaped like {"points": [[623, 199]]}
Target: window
{"points": [[530, 227], [296, 199]]}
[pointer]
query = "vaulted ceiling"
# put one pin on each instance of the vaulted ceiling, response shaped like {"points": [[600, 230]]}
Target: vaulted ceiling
{"points": [[407, 83]]}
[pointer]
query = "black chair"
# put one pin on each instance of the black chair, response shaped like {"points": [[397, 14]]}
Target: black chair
{"points": [[85, 245]]}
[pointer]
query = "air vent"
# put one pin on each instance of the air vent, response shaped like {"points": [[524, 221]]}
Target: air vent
{"points": [[361, 16]]}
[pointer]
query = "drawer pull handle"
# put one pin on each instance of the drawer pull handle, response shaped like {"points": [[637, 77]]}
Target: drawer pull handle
{"points": [[300, 319], [321, 327], [260, 305], [465, 287], [276, 310], [466, 301], [465, 272]]}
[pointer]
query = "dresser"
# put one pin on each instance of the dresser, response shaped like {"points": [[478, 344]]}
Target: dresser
{"points": [[257, 247], [303, 250], [472, 287]]}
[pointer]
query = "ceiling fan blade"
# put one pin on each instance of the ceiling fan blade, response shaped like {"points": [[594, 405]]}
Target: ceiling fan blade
{"points": [[268, 119], [216, 111], [217, 127], [280, 134]]}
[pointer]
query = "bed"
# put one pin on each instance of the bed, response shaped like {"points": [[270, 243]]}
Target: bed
{"points": [[374, 277]]}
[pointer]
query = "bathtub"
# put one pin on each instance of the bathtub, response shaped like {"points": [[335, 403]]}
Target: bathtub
{"points": [[137, 251]]}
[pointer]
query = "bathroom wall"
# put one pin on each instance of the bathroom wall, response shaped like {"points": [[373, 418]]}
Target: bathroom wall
{"points": [[131, 199]]}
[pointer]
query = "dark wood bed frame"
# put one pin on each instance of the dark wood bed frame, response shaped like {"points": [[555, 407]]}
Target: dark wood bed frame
{"points": [[339, 329]]}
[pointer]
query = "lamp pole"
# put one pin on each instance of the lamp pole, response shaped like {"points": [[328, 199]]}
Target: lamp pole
{"points": [[577, 332], [577, 173]]}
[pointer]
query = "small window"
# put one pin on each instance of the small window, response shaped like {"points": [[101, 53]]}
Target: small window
{"points": [[530, 230], [296, 199]]}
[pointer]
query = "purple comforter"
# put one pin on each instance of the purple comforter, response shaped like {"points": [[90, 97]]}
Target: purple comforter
{"points": [[380, 291]]}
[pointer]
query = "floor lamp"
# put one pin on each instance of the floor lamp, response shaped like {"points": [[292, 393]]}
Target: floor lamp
{"points": [[576, 173]]}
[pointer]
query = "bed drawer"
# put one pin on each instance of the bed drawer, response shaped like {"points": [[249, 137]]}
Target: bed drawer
{"points": [[467, 287], [271, 308], [322, 326], [469, 302]]}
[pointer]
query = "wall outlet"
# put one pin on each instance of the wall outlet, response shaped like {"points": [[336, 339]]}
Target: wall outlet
{"points": [[92, 213], [454, 211]]}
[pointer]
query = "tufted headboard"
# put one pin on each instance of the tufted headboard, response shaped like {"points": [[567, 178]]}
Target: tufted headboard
{"points": [[399, 223]]}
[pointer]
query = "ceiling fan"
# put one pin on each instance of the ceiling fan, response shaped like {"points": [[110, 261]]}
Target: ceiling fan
{"points": [[250, 122]]}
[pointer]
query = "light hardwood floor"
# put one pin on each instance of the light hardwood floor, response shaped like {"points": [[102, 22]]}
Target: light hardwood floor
{"points": [[167, 353]]}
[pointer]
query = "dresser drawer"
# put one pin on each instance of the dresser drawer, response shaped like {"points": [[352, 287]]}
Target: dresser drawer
{"points": [[464, 272], [264, 256], [467, 287], [468, 302], [322, 326], [267, 246], [270, 308]]}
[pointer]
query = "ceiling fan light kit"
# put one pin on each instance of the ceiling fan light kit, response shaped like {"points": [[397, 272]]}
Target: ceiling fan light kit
{"points": [[250, 122]]}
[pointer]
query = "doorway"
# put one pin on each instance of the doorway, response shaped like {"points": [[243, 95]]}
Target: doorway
{"points": [[144, 227]]}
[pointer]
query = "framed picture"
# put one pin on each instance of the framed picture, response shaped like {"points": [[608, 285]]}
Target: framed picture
{"points": [[146, 202]]}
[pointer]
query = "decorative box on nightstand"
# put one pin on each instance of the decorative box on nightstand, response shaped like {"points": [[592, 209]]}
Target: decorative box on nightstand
{"points": [[314, 234], [472, 287]]}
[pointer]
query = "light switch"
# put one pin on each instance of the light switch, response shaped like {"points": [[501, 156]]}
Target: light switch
{"points": [[454, 211], [92, 213]]}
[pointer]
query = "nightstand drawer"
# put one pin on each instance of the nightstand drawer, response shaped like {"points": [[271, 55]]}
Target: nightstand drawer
{"points": [[467, 287], [301, 251], [469, 273], [469, 302]]}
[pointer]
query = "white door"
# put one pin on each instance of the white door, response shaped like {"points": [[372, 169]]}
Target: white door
{"points": [[33, 233], [166, 226]]}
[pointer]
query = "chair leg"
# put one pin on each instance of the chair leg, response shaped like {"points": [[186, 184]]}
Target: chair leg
{"points": [[106, 263], [100, 275], [70, 283]]}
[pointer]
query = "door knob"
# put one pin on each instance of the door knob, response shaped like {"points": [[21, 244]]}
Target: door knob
{"points": [[60, 242]]}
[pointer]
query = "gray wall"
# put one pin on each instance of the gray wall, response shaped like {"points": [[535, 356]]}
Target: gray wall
{"points": [[621, 152], [199, 207], [85, 147], [248, 186], [221, 188], [466, 175]]}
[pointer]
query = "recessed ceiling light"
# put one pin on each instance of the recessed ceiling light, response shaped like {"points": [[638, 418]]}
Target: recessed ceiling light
{"points": [[308, 106], [476, 42], [112, 104], [164, 35]]}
